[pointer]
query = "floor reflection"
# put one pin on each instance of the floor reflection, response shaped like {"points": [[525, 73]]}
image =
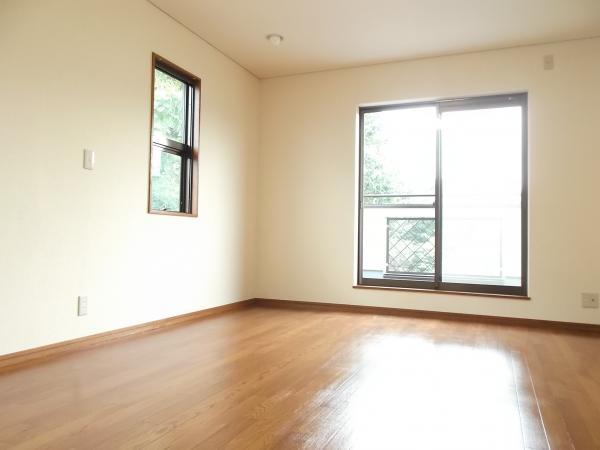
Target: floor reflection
{"points": [[413, 393]]}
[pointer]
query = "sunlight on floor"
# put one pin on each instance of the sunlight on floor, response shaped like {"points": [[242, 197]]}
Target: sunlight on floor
{"points": [[421, 394]]}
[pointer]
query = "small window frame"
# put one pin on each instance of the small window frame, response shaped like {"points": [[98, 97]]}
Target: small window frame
{"points": [[188, 150]]}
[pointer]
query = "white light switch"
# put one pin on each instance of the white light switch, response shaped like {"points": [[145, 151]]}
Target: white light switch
{"points": [[548, 62], [89, 158], [82, 306]]}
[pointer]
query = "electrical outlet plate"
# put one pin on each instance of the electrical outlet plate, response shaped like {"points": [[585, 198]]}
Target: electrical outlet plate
{"points": [[82, 306], [590, 299]]}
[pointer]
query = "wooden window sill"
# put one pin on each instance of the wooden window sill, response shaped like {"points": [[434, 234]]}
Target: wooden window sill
{"points": [[172, 213], [438, 291]]}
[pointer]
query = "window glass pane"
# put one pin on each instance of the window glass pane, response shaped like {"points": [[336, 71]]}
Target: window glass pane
{"points": [[400, 151], [166, 181], [481, 185], [169, 108], [399, 171]]}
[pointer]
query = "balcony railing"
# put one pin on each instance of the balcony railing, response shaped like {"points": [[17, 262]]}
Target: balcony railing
{"points": [[410, 246], [410, 242], [398, 201]]}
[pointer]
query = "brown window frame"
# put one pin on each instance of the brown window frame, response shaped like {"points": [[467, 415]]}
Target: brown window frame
{"points": [[189, 150]]}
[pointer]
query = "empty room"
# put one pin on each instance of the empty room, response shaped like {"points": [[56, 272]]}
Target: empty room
{"points": [[300, 224]]}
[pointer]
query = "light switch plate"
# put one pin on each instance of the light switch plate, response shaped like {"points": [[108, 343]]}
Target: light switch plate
{"points": [[590, 299], [548, 62], [82, 306], [89, 159]]}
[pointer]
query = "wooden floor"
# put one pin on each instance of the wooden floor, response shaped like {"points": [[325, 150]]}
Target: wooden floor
{"points": [[277, 378]]}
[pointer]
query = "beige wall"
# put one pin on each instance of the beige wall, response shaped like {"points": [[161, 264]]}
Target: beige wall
{"points": [[307, 175], [76, 74]]}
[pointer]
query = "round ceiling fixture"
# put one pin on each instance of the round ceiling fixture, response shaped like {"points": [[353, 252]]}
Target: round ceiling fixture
{"points": [[275, 39]]}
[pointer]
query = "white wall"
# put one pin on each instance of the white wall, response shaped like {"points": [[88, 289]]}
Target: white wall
{"points": [[307, 176], [76, 74]]}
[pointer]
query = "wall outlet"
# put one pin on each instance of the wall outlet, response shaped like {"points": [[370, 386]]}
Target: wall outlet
{"points": [[590, 299], [82, 306]]}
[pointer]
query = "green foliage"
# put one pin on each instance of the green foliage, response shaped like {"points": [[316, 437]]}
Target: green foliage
{"points": [[166, 181], [372, 131], [375, 178], [169, 122], [169, 107]]}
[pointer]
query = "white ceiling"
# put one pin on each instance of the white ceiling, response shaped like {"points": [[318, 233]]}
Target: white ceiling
{"points": [[327, 34]]}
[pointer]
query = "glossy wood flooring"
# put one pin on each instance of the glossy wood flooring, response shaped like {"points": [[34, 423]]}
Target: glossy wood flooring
{"points": [[286, 379]]}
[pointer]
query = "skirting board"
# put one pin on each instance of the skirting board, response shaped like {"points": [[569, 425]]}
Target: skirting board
{"points": [[13, 360], [413, 313]]}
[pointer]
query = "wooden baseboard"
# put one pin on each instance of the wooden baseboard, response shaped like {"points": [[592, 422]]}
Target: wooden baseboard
{"points": [[13, 360], [362, 309]]}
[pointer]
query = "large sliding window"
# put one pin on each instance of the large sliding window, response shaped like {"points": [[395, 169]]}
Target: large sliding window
{"points": [[443, 195]]}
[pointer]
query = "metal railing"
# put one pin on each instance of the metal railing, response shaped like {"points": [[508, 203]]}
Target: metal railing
{"points": [[371, 201], [410, 245]]}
